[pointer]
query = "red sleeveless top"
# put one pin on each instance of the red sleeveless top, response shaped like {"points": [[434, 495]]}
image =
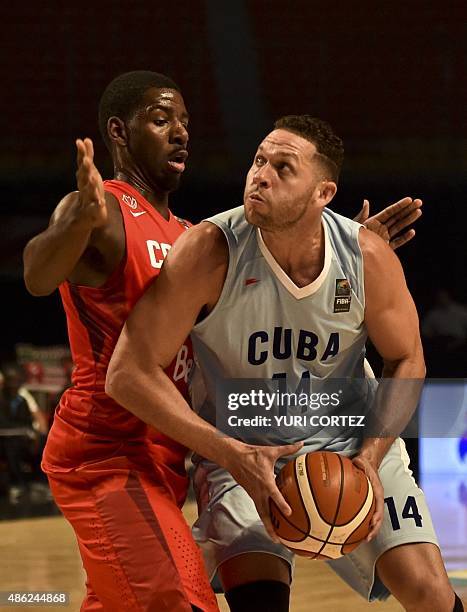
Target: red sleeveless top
{"points": [[88, 425]]}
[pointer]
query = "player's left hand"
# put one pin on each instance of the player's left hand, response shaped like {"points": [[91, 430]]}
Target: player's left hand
{"points": [[392, 220], [371, 471]]}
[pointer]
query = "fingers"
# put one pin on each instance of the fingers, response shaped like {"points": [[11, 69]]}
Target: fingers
{"points": [[266, 518], [264, 496], [85, 152], [88, 178], [279, 500], [395, 243], [364, 212], [375, 525], [378, 492], [287, 449], [89, 148], [80, 151], [263, 507], [377, 518], [273, 492], [361, 465], [400, 210], [410, 216], [267, 491], [394, 209]]}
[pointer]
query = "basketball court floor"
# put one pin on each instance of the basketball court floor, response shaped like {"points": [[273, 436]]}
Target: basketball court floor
{"points": [[40, 554]]}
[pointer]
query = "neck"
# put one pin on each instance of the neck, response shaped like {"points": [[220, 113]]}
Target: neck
{"points": [[299, 250], [158, 199]]}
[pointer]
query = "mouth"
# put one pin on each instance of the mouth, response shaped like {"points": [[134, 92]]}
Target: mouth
{"points": [[176, 161], [254, 195]]}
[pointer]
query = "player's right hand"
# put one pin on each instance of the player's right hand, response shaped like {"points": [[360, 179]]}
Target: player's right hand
{"points": [[92, 208], [253, 468]]}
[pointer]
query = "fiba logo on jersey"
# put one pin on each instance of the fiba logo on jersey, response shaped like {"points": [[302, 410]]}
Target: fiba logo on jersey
{"points": [[132, 203], [342, 296]]}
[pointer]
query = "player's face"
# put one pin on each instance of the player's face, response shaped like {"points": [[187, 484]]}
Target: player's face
{"points": [[283, 181], [158, 138]]}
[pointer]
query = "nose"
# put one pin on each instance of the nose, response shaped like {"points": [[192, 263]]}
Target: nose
{"points": [[179, 134], [261, 177]]}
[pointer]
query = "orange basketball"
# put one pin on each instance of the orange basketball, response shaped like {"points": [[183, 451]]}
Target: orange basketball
{"points": [[332, 504]]}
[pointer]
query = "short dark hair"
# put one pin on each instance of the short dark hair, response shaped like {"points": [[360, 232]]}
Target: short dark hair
{"points": [[328, 145], [123, 95]]}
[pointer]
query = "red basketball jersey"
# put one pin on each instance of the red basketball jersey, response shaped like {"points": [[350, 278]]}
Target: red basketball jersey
{"points": [[88, 424]]}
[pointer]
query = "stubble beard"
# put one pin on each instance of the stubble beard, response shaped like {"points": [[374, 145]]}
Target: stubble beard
{"points": [[269, 223]]}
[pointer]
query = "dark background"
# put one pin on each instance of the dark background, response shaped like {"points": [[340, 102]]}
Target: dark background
{"points": [[389, 77]]}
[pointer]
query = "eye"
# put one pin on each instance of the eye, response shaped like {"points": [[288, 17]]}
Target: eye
{"points": [[160, 122], [259, 160], [283, 167]]}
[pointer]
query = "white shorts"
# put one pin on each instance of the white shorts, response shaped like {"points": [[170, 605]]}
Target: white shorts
{"points": [[229, 525]]}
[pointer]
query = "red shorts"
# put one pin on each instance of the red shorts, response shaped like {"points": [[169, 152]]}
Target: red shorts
{"points": [[136, 547]]}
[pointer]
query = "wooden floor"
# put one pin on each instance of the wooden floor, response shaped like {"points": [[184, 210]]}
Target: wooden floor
{"points": [[41, 554]]}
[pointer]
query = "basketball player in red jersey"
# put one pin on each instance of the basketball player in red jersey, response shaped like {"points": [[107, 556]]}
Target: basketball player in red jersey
{"points": [[120, 488]]}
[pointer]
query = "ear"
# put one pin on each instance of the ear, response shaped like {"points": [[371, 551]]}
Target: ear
{"points": [[326, 191], [116, 129]]}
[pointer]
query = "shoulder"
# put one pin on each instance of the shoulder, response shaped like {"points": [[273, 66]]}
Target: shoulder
{"points": [[202, 247], [375, 251], [382, 269], [206, 238]]}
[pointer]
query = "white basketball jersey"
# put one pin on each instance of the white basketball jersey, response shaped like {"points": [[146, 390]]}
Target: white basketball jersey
{"points": [[264, 326]]}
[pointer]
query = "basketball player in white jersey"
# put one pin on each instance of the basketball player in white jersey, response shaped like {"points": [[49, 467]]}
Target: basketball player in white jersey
{"points": [[258, 288]]}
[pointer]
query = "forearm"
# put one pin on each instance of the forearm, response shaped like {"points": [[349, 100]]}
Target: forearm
{"points": [[411, 367], [395, 403], [375, 449], [168, 412], [50, 257]]}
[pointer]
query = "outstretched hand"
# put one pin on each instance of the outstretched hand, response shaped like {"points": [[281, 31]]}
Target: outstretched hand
{"points": [[90, 185], [392, 220]]}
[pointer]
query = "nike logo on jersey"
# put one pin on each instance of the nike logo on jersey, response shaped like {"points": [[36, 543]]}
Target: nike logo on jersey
{"points": [[132, 203], [251, 281]]}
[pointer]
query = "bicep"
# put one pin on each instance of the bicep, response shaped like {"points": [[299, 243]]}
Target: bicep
{"points": [[160, 321], [165, 315], [390, 314]]}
